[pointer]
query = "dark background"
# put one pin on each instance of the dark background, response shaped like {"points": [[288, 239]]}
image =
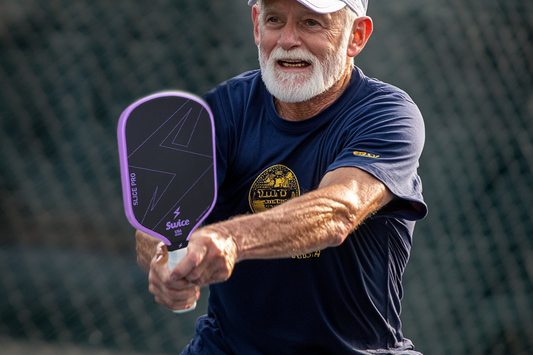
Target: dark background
{"points": [[69, 283]]}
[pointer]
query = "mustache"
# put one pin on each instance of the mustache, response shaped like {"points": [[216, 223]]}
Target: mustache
{"points": [[298, 55]]}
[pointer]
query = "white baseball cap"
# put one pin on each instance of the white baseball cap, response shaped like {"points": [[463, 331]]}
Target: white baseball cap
{"points": [[329, 6]]}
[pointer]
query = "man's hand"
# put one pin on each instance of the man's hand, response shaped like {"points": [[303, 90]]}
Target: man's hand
{"points": [[211, 257], [171, 292]]}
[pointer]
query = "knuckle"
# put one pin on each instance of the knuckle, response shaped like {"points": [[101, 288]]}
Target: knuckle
{"points": [[152, 279], [174, 295], [154, 287], [195, 258], [178, 296], [160, 301], [224, 275], [194, 275]]}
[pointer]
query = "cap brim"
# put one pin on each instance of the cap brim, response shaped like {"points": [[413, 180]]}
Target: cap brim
{"points": [[318, 6], [323, 6]]}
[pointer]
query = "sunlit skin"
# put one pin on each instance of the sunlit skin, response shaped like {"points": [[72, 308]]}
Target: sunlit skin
{"points": [[316, 220]]}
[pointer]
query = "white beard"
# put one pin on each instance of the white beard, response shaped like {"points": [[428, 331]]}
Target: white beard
{"points": [[299, 87]]}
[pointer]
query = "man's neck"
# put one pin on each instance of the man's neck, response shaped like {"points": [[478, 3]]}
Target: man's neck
{"points": [[299, 111]]}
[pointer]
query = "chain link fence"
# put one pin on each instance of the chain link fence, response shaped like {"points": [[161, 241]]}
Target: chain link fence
{"points": [[68, 278]]}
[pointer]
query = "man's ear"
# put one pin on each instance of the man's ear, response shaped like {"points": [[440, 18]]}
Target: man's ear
{"points": [[255, 19], [361, 31]]}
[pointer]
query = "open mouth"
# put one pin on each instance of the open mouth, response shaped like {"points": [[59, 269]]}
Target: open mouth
{"points": [[293, 64]]}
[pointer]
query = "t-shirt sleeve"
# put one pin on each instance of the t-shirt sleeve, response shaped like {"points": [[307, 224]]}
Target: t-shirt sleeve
{"points": [[386, 140]]}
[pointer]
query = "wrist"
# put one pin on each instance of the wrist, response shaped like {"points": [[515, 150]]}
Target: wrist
{"points": [[146, 247], [221, 234]]}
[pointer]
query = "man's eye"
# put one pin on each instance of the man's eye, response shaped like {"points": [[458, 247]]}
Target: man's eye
{"points": [[312, 23], [273, 19]]}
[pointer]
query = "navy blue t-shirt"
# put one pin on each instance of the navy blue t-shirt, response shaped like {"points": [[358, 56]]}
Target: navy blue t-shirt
{"points": [[341, 300]]}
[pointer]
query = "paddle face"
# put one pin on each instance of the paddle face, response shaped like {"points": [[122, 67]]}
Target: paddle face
{"points": [[168, 168]]}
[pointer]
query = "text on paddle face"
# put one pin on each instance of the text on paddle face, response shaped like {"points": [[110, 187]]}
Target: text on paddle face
{"points": [[133, 183], [178, 224]]}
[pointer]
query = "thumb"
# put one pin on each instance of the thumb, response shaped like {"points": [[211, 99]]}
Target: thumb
{"points": [[196, 253], [161, 255]]}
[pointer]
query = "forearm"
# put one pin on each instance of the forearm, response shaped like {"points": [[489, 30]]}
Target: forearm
{"points": [[298, 226], [146, 247], [314, 221]]}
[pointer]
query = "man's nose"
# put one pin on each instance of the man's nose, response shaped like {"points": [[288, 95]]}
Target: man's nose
{"points": [[289, 36]]}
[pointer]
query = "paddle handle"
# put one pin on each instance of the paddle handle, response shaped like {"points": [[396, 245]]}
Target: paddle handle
{"points": [[174, 257]]}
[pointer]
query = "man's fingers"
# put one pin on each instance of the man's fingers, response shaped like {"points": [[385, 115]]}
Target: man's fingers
{"points": [[215, 268], [211, 277], [172, 295], [164, 288], [210, 259], [178, 299], [193, 259], [200, 270]]}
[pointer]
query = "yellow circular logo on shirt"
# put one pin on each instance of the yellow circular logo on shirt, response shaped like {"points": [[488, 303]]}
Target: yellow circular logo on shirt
{"points": [[272, 187]]}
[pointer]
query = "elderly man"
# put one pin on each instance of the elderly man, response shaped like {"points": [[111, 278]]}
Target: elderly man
{"points": [[318, 194]]}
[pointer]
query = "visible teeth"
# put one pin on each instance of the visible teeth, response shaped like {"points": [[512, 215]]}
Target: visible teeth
{"points": [[299, 64]]}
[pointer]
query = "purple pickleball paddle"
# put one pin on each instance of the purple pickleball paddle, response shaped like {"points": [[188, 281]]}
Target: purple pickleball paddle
{"points": [[168, 168]]}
